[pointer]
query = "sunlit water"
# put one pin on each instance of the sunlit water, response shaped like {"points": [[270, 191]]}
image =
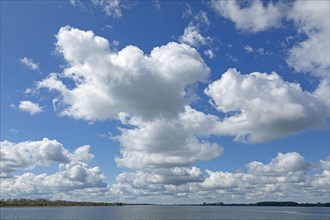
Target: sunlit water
{"points": [[167, 213]]}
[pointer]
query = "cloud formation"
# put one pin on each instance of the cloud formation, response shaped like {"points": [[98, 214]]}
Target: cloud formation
{"points": [[312, 20], [74, 173], [261, 107], [282, 164], [74, 2], [193, 36], [312, 54], [108, 82], [254, 17], [27, 155], [147, 93], [29, 63], [163, 143], [111, 7], [161, 135], [165, 151], [192, 33], [30, 107], [248, 48], [286, 176]]}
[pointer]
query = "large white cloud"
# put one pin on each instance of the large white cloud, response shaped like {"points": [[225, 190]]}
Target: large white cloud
{"points": [[74, 173], [164, 151], [255, 17], [107, 82], [163, 143], [261, 107]]}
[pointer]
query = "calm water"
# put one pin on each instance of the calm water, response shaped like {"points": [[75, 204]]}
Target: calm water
{"points": [[167, 213]]}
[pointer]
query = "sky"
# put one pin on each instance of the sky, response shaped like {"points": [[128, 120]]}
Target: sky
{"points": [[165, 101]]}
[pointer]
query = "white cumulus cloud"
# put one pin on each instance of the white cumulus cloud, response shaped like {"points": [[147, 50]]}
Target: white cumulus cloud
{"points": [[263, 107], [29, 154], [108, 82], [164, 151], [163, 143], [285, 176], [282, 164], [74, 173]]}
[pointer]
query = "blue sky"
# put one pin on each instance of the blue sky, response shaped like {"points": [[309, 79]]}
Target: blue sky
{"points": [[165, 101]]}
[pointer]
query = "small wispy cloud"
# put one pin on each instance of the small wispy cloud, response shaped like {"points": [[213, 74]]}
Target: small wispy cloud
{"points": [[260, 50], [28, 62], [192, 33], [248, 48], [232, 58], [157, 4], [209, 53], [113, 8]]}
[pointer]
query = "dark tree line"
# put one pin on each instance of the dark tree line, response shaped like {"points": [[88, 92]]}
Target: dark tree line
{"points": [[46, 202]]}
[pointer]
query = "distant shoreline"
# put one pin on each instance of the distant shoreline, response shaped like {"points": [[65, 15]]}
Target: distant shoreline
{"points": [[17, 203]]}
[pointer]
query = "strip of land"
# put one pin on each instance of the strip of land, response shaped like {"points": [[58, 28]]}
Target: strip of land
{"points": [[271, 203], [59, 203]]}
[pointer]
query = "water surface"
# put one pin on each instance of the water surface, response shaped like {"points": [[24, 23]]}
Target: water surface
{"points": [[167, 213]]}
